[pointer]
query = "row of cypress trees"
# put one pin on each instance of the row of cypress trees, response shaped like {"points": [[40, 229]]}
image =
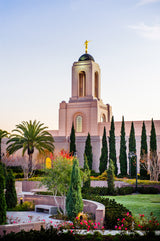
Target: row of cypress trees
{"points": [[132, 148]]}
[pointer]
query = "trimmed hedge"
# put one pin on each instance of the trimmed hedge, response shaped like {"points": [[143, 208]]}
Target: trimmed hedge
{"points": [[103, 191], [52, 234]]}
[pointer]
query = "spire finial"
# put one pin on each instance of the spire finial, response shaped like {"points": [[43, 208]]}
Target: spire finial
{"points": [[86, 46]]}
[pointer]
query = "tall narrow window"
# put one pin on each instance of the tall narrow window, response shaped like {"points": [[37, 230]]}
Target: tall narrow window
{"points": [[96, 85], [79, 123], [103, 118], [82, 84]]}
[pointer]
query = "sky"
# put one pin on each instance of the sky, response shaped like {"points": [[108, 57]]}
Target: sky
{"points": [[41, 39]]}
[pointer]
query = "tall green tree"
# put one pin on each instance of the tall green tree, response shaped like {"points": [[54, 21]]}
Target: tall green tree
{"points": [[86, 182], [29, 136], [143, 153], [72, 141], [104, 153], [2, 198], [74, 202], [88, 151], [132, 148], [112, 146], [154, 167], [3, 134], [153, 140], [10, 195], [110, 178], [123, 155]]}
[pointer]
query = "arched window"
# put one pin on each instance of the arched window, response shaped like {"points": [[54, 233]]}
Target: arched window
{"points": [[79, 123], [82, 84], [96, 85], [103, 118]]}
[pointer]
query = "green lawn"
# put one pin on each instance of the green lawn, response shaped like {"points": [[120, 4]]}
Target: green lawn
{"points": [[140, 204]]}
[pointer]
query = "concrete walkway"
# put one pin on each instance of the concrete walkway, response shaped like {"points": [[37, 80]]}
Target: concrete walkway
{"points": [[31, 216]]}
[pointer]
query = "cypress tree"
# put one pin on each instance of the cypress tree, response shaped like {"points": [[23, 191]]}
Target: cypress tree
{"points": [[132, 148], [110, 178], [74, 202], [72, 141], [112, 146], [86, 183], [123, 155], [2, 198], [153, 141], [104, 154], [154, 167], [144, 153], [10, 195], [88, 151]]}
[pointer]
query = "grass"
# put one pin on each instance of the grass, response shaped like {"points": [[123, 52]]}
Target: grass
{"points": [[140, 204]]}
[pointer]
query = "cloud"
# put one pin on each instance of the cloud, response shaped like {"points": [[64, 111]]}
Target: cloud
{"points": [[146, 31], [144, 2]]}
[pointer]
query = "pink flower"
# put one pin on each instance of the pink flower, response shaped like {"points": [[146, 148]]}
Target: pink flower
{"points": [[119, 228], [51, 221], [77, 218], [122, 225], [102, 227], [89, 226], [139, 225], [150, 221], [81, 223], [14, 221], [89, 221], [55, 225], [98, 223], [43, 220], [71, 231], [116, 227], [127, 213], [118, 219], [126, 229]]}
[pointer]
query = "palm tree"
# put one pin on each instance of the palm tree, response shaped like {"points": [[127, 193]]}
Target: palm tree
{"points": [[2, 135], [29, 136]]}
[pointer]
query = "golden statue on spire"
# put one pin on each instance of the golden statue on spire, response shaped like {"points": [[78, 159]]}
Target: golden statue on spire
{"points": [[86, 46]]}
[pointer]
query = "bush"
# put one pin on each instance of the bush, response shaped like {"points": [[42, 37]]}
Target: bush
{"points": [[25, 206], [15, 169], [10, 195], [18, 175], [2, 198], [148, 190], [124, 190], [113, 211]]}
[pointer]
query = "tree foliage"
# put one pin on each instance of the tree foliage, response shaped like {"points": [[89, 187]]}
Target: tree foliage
{"points": [[143, 153], [110, 178], [72, 141], [154, 162], [123, 155], [132, 148], [29, 136], [104, 154], [3, 134], [2, 198], [112, 146], [74, 202], [88, 151], [10, 195], [57, 179], [86, 179]]}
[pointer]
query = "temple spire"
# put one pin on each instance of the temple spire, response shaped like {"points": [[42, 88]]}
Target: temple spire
{"points": [[86, 46]]}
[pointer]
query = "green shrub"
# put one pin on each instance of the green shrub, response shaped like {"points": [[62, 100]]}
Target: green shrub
{"points": [[124, 190], [15, 169], [25, 206], [10, 195], [113, 211], [18, 175], [2, 198], [148, 190]]}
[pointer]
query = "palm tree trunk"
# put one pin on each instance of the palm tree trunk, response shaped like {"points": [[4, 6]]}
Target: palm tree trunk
{"points": [[30, 163]]}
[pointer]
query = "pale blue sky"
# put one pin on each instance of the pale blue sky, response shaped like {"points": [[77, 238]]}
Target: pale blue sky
{"points": [[40, 40]]}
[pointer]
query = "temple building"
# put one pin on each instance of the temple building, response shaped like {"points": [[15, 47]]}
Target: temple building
{"points": [[89, 114]]}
